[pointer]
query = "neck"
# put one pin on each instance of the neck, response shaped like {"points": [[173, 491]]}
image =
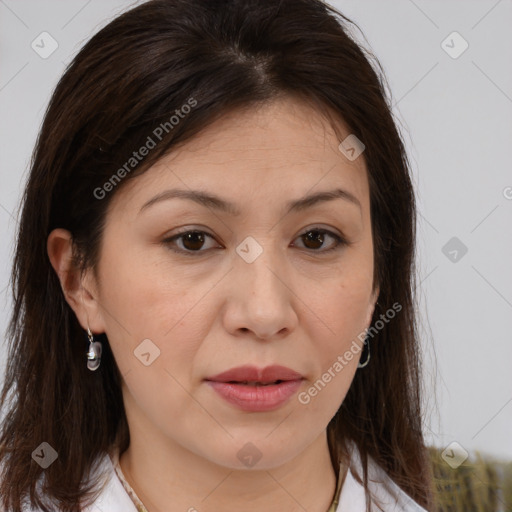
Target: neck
{"points": [[169, 478]]}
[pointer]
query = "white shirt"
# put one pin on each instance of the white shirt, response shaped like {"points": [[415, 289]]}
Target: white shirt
{"points": [[114, 498]]}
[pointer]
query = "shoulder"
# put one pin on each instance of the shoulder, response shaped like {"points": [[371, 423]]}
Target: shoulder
{"points": [[385, 492], [112, 497]]}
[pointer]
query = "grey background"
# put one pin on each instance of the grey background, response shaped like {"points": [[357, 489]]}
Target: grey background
{"points": [[456, 117]]}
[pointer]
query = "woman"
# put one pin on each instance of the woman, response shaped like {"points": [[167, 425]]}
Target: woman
{"points": [[213, 283]]}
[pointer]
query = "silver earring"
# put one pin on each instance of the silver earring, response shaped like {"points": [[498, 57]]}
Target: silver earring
{"points": [[367, 345], [367, 360], [94, 352]]}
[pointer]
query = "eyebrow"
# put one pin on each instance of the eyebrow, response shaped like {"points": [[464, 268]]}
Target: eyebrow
{"points": [[217, 203]]}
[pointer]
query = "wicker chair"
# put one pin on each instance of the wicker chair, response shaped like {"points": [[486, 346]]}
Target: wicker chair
{"points": [[479, 484]]}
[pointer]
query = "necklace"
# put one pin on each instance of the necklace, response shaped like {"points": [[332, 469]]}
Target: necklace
{"points": [[141, 508]]}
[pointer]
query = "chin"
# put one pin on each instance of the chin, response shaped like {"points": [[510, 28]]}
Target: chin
{"points": [[257, 455]]}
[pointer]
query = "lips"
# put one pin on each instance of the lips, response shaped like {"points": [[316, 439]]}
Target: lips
{"points": [[257, 376], [256, 390]]}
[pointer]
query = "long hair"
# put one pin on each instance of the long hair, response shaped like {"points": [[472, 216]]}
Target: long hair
{"points": [[124, 85]]}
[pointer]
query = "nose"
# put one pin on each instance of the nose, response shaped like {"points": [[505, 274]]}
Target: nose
{"points": [[261, 301]]}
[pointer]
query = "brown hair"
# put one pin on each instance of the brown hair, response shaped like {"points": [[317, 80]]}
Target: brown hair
{"points": [[126, 81]]}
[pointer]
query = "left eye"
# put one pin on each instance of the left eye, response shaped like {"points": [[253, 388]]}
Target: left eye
{"points": [[313, 239]]}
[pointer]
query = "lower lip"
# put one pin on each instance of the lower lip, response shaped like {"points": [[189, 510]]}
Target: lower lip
{"points": [[256, 398]]}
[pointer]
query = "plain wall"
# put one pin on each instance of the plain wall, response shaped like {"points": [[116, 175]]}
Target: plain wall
{"points": [[456, 118]]}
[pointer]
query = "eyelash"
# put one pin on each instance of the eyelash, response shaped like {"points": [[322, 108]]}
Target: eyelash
{"points": [[340, 241]]}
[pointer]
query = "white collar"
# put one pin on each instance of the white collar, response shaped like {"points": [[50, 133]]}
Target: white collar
{"points": [[386, 493]]}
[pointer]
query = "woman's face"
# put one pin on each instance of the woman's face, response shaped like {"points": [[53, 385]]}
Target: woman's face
{"points": [[259, 285]]}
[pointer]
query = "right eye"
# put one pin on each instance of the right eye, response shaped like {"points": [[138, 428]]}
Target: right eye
{"points": [[192, 242]]}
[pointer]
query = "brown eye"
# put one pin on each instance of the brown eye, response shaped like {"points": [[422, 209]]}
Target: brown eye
{"points": [[192, 241], [314, 239]]}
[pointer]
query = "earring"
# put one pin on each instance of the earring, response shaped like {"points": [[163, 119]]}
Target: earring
{"points": [[367, 360], [94, 352]]}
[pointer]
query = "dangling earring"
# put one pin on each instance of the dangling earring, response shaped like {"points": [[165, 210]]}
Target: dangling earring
{"points": [[94, 352], [366, 345], [367, 360]]}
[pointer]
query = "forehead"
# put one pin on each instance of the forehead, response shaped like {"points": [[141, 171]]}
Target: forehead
{"points": [[285, 147], [286, 128]]}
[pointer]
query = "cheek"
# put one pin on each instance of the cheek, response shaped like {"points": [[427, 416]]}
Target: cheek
{"points": [[145, 308], [336, 351], [320, 400], [145, 293], [343, 304]]}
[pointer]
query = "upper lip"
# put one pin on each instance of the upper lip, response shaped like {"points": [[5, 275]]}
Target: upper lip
{"points": [[254, 374]]}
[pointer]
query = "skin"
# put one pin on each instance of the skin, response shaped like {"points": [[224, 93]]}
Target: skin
{"points": [[295, 305]]}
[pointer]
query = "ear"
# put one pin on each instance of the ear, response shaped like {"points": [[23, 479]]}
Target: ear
{"points": [[80, 290]]}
